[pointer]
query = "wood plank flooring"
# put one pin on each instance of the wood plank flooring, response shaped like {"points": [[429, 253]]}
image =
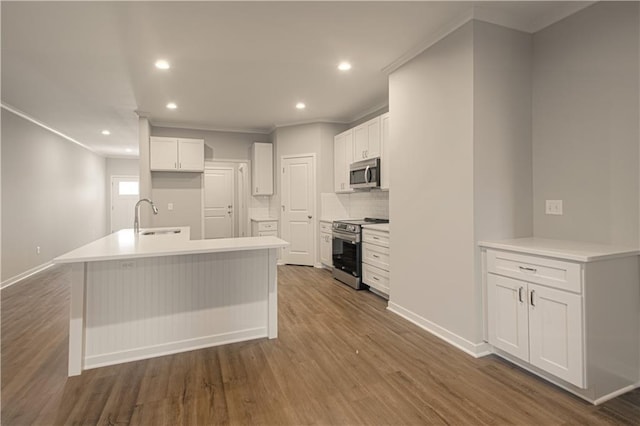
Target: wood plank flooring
{"points": [[340, 359]]}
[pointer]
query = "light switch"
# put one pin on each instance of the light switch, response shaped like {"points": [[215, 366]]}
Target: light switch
{"points": [[170, 206], [553, 207]]}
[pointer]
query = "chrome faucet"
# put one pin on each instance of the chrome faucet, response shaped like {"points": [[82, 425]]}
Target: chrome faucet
{"points": [[136, 220]]}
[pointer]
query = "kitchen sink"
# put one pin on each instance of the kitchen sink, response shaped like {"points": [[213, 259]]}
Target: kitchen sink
{"points": [[162, 232]]}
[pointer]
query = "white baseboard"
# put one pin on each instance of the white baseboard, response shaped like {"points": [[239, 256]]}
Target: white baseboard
{"points": [[476, 350], [26, 274], [170, 348], [616, 394]]}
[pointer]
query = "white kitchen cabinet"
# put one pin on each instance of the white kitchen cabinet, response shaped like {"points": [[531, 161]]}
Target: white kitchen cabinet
{"points": [[376, 258], [264, 228], [176, 154], [366, 140], [326, 244], [262, 169], [558, 309], [343, 157], [385, 151]]}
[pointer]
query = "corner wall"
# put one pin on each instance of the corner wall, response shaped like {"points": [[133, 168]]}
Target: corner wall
{"points": [[585, 125], [53, 196]]}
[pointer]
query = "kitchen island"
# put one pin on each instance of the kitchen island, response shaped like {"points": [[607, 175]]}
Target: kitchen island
{"points": [[136, 296]]}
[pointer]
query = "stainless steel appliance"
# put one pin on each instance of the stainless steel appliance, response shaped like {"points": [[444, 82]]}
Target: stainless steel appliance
{"points": [[365, 174], [347, 250]]}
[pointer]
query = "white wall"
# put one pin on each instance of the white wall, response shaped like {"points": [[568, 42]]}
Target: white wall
{"points": [[53, 195], [461, 165], [585, 125], [184, 190]]}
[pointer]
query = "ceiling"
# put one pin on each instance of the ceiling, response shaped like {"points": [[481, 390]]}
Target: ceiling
{"points": [[81, 67]]}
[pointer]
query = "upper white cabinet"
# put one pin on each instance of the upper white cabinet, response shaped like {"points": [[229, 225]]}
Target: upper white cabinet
{"points": [[343, 157], [176, 154], [385, 146], [262, 169], [366, 140]]}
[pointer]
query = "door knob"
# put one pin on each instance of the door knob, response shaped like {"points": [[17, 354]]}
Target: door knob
{"points": [[310, 217]]}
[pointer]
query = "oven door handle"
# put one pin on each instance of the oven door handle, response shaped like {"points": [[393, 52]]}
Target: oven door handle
{"points": [[349, 238]]}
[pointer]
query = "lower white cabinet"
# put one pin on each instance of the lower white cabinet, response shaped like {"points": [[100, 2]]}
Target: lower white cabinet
{"points": [[375, 259], [566, 311], [264, 228], [537, 324], [326, 244]]}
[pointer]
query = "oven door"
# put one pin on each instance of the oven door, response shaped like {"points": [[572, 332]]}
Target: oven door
{"points": [[346, 258]]}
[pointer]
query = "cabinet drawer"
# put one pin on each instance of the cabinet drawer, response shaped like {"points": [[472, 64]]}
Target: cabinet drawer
{"points": [[325, 227], [267, 226], [375, 255], [379, 238], [553, 273], [267, 233], [376, 278]]}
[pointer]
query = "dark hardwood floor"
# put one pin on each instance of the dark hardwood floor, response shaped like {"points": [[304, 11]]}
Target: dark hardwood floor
{"points": [[340, 358]]}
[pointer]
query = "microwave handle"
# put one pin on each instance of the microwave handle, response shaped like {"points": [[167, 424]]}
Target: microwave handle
{"points": [[366, 174]]}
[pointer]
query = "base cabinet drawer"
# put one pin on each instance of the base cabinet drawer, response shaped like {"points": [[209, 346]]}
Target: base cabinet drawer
{"points": [[325, 227], [550, 272], [267, 226], [372, 236], [375, 255], [376, 278], [261, 228]]}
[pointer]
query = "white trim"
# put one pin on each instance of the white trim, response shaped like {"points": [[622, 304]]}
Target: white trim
{"points": [[304, 122], [26, 274], [476, 350], [368, 111], [432, 39], [46, 127], [616, 394], [173, 347], [205, 127]]}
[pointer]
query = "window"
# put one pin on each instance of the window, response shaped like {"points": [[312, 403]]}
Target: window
{"points": [[128, 188]]}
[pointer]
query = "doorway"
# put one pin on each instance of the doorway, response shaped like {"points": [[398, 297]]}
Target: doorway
{"points": [[219, 201], [298, 209], [125, 192]]}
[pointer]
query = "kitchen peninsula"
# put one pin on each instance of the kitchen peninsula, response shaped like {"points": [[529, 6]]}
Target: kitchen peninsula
{"points": [[137, 296]]}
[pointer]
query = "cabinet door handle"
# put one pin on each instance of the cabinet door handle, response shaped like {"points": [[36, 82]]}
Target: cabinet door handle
{"points": [[522, 268], [375, 256], [531, 298], [376, 238], [180, 165], [520, 294], [376, 278]]}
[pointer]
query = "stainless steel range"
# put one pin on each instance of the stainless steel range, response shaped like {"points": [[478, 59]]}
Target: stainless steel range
{"points": [[347, 250]]}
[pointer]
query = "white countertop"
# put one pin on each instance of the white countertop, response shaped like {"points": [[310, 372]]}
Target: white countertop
{"points": [[378, 226], [560, 249], [126, 245], [264, 219]]}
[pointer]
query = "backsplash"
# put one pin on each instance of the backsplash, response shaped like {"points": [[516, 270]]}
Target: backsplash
{"points": [[355, 206]]}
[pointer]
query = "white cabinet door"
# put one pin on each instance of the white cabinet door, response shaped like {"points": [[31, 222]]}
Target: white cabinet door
{"points": [[373, 138], [343, 157], [384, 151], [555, 330], [218, 203], [163, 153], [262, 169], [190, 155], [360, 142], [326, 249], [508, 315]]}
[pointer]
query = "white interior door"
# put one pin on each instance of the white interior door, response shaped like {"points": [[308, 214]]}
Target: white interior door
{"points": [[219, 191], [125, 192], [298, 210]]}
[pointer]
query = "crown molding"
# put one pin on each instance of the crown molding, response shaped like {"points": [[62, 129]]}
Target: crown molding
{"points": [[371, 110], [39, 123], [302, 123], [191, 126]]}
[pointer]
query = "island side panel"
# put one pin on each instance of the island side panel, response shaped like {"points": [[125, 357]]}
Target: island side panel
{"points": [[76, 319], [147, 307], [273, 294]]}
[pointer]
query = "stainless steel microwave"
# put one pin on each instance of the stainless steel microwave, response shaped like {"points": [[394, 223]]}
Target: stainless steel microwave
{"points": [[365, 174]]}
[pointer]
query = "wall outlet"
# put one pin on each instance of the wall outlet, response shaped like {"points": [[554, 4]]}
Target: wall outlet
{"points": [[37, 249], [170, 206], [553, 207]]}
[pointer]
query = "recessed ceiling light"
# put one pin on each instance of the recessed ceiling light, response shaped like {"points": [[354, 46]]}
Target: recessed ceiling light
{"points": [[172, 105], [344, 66], [301, 105], [128, 150], [106, 132], [162, 64]]}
